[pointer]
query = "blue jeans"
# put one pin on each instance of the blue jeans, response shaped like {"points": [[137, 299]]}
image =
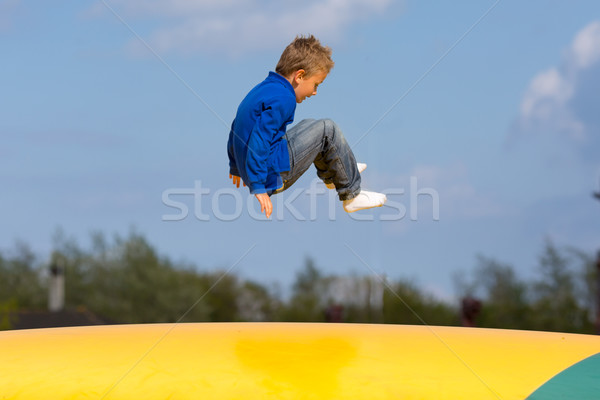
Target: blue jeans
{"points": [[321, 142]]}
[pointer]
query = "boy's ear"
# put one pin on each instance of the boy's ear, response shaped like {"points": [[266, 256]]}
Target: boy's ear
{"points": [[295, 77], [300, 74]]}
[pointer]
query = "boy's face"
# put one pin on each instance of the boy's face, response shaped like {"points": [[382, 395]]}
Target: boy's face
{"points": [[306, 86]]}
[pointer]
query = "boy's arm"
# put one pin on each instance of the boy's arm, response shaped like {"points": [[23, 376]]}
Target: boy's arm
{"points": [[236, 180], [265, 204], [274, 116], [233, 169]]}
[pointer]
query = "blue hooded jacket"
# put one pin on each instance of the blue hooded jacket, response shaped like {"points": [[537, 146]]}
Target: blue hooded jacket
{"points": [[257, 148]]}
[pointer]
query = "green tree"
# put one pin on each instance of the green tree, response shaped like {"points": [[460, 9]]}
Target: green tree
{"points": [[363, 298], [586, 284], [505, 303], [557, 306], [306, 302], [559, 299], [404, 303], [256, 303], [7, 314], [21, 280], [127, 281]]}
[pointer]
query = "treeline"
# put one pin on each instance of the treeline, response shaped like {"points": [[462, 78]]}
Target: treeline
{"points": [[126, 280], [562, 295]]}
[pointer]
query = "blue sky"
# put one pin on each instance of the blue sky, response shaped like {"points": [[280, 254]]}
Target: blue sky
{"points": [[96, 126]]}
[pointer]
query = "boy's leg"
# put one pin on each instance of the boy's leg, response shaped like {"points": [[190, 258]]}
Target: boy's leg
{"points": [[330, 185], [321, 142]]}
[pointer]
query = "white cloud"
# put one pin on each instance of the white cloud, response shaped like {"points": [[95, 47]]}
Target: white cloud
{"points": [[240, 26], [557, 101], [586, 46], [545, 105], [547, 85]]}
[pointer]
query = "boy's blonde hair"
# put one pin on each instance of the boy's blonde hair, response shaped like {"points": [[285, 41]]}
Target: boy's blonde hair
{"points": [[305, 53]]}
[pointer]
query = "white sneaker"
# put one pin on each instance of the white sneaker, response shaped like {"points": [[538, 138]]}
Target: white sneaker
{"points": [[361, 168], [365, 200]]}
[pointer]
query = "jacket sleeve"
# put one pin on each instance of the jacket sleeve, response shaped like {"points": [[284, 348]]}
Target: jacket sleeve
{"points": [[275, 114], [233, 169]]}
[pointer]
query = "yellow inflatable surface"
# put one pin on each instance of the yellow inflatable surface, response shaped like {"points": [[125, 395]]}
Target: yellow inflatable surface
{"points": [[289, 361]]}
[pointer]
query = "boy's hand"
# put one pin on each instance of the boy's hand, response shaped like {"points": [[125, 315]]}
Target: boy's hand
{"points": [[265, 203], [236, 180]]}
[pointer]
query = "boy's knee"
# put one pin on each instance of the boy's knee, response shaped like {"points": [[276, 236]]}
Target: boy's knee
{"points": [[330, 126]]}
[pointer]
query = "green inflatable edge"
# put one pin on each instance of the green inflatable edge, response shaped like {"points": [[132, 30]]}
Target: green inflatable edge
{"points": [[580, 381]]}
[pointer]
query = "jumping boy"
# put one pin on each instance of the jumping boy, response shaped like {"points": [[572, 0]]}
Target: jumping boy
{"points": [[268, 159]]}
